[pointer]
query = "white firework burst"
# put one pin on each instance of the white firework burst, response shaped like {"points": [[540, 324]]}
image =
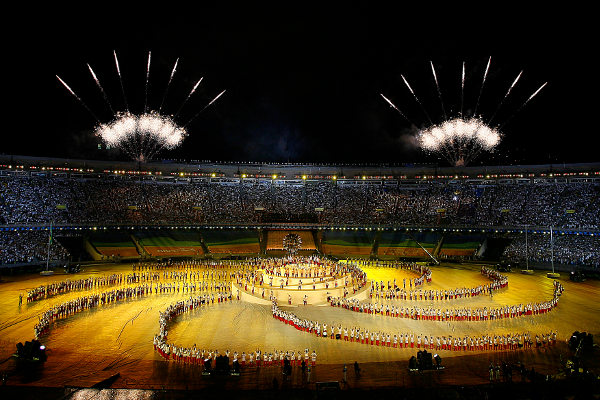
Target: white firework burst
{"points": [[461, 139], [141, 136]]}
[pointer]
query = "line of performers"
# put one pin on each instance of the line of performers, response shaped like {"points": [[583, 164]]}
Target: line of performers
{"points": [[193, 355], [80, 304], [497, 342], [185, 265], [68, 285], [394, 292], [213, 280], [456, 314]]}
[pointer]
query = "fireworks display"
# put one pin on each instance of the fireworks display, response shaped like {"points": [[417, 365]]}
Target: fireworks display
{"points": [[461, 139], [143, 135]]}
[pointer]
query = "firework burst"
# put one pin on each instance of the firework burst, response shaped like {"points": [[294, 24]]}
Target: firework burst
{"points": [[461, 139], [144, 135]]}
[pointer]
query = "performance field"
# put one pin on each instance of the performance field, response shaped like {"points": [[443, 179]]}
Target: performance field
{"points": [[168, 325]]}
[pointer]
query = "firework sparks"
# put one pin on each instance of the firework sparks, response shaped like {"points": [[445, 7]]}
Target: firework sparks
{"points": [[120, 79], [523, 105], [533, 95], [459, 140], [506, 95], [487, 68], [416, 98], [395, 108], [188, 96], [101, 88], [77, 97], [141, 135], [147, 80], [462, 89], [168, 85], [437, 85], [205, 107]]}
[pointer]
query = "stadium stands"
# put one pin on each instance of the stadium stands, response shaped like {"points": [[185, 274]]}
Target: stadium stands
{"points": [[34, 201]]}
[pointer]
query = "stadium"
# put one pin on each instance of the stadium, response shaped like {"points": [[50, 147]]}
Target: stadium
{"points": [[133, 267]]}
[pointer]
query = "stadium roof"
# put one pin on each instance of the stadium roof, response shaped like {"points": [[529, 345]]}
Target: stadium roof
{"points": [[296, 170]]}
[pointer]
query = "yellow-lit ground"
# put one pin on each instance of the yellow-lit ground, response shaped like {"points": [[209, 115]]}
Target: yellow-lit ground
{"points": [[89, 346]]}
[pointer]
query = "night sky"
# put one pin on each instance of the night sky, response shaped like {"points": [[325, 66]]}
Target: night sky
{"points": [[305, 88]]}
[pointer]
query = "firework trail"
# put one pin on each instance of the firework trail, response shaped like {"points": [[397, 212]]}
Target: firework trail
{"points": [[462, 89], [147, 79], [205, 107], [524, 104], [168, 85], [505, 96], [438, 89], [482, 84], [101, 89], [395, 108], [416, 98], [121, 80], [77, 97], [533, 95], [188, 96]]}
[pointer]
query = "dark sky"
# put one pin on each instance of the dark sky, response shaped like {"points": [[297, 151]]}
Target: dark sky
{"points": [[303, 87]]}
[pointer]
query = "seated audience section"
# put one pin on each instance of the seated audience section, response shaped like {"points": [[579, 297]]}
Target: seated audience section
{"points": [[111, 244], [275, 239], [347, 242], [460, 245], [401, 244], [227, 241], [170, 243]]}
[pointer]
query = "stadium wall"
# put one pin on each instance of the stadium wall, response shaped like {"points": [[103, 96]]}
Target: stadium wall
{"points": [[228, 241]]}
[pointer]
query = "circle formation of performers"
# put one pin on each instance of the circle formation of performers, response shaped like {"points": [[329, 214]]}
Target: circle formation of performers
{"points": [[307, 278]]}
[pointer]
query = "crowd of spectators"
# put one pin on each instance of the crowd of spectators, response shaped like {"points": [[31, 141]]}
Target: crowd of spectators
{"points": [[42, 199], [568, 249], [33, 199], [29, 246]]}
